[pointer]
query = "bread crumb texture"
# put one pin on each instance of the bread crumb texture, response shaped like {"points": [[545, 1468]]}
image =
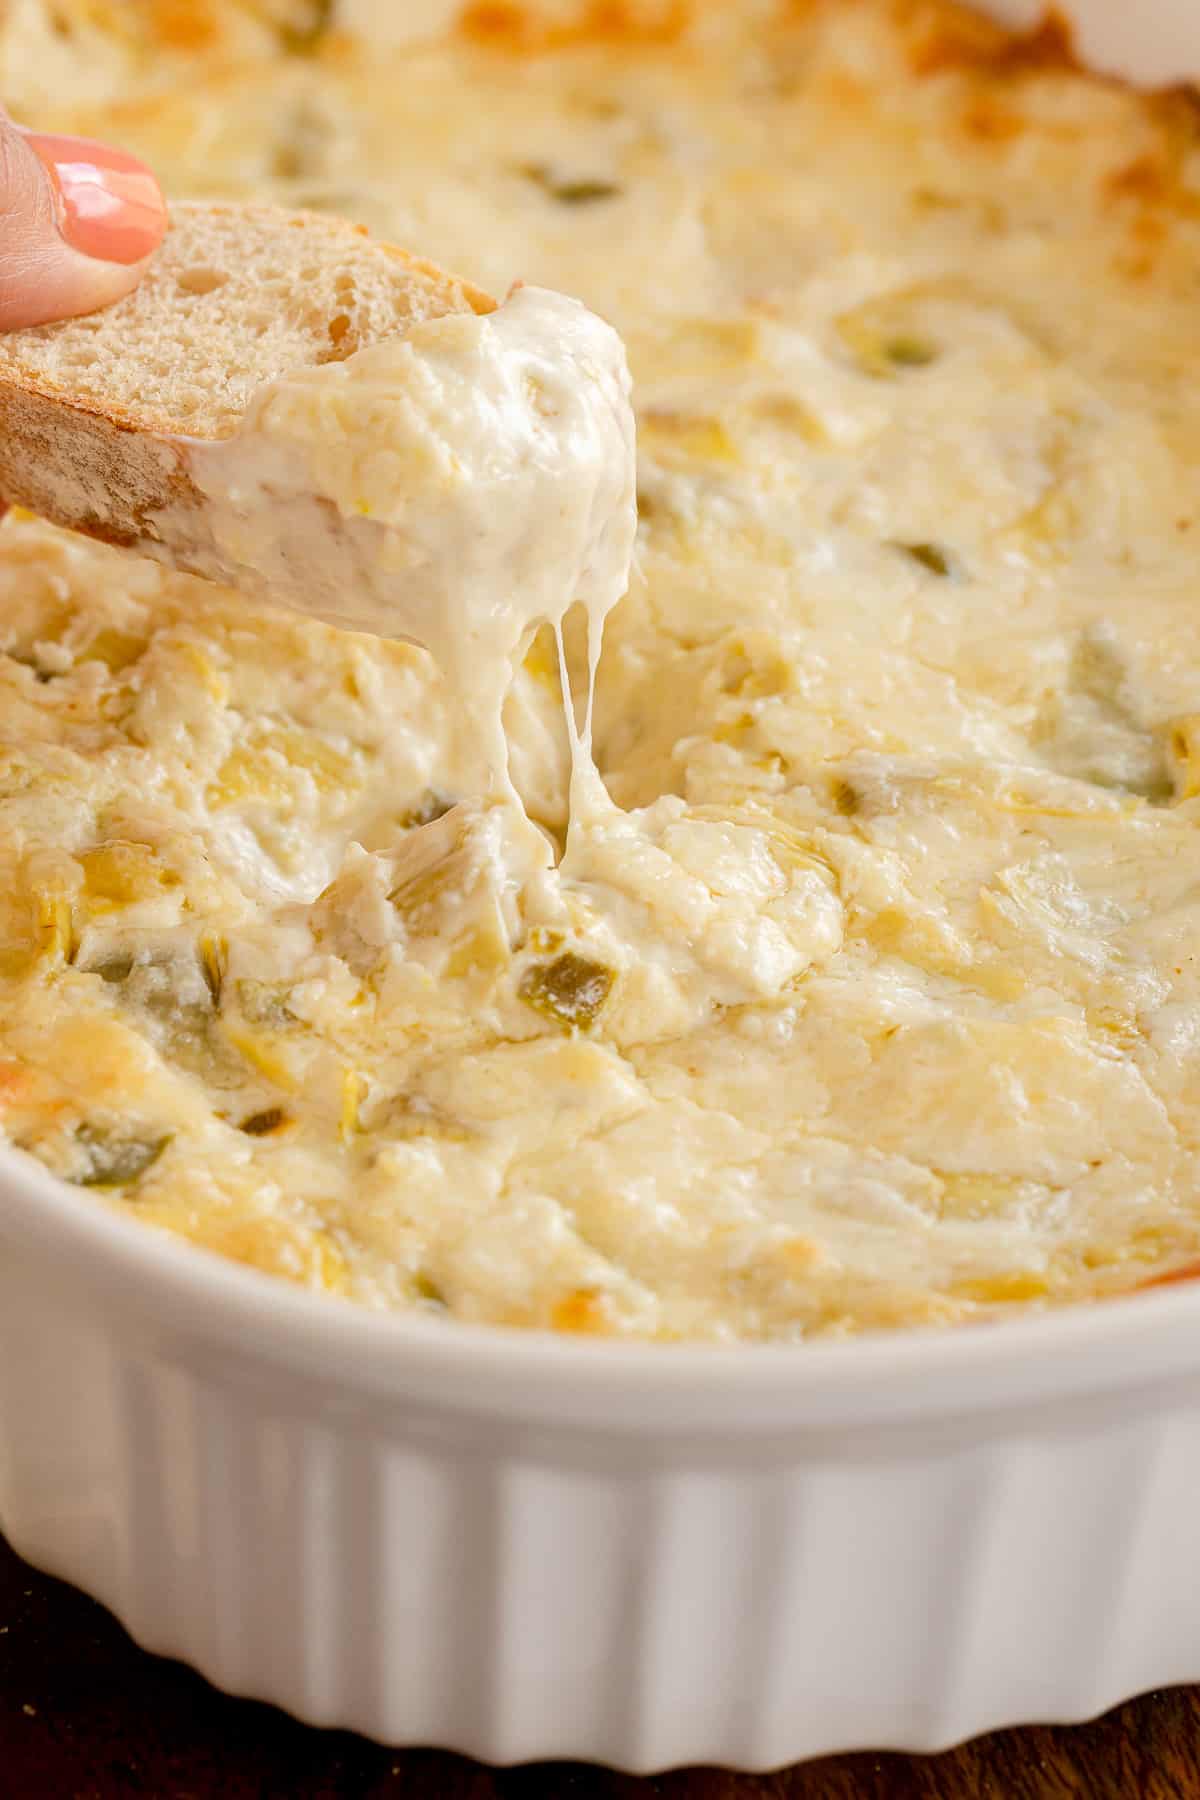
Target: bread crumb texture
{"points": [[235, 297]]}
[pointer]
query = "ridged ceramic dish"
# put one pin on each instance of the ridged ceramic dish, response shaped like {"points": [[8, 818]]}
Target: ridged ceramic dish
{"points": [[521, 1547]]}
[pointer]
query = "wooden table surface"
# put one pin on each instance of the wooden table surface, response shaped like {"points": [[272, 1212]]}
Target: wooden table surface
{"points": [[84, 1715]]}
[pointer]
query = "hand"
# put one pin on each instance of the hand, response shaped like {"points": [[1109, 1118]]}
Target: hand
{"points": [[77, 223]]}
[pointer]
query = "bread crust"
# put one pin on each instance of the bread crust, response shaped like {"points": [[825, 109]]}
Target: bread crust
{"points": [[87, 467]]}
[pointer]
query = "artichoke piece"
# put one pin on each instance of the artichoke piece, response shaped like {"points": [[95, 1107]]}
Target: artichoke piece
{"points": [[117, 650], [425, 810], [301, 24], [302, 147], [114, 969], [166, 992], [411, 1117], [122, 874], [264, 768], [449, 888], [35, 668], [906, 352], [306, 35], [846, 798], [265, 1003], [436, 869], [114, 1161], [884, 336], [571, 990], [264, 1124], [930, 556], [1183, 755], [570, 193], [171, 987], [1097, 730], [582, 193], [214, 960], [693, 436], [426, 1290], [54, 935]]}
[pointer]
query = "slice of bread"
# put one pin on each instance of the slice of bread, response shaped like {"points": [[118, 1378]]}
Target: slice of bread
{"points": [[93, 410]]}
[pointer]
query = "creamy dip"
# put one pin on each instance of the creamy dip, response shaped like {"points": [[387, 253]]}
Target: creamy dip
{"points": [[870, 996], [457, 486]]}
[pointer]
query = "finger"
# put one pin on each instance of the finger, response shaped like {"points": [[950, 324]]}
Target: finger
{"points": [[77, 222]]}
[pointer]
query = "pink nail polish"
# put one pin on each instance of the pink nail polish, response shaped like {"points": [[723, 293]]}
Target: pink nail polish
{"points": [[110, 205]]}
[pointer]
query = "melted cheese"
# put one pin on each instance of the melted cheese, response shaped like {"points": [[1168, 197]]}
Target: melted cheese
{"points": [[457, 486], [870, 998]]}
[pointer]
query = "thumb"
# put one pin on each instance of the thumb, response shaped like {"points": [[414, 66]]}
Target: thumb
{"points": [[77, 222]]}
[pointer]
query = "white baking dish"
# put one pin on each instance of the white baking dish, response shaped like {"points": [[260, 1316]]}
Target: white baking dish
{"points": [[519, 1546], [522, 1546], [1150, 42]]}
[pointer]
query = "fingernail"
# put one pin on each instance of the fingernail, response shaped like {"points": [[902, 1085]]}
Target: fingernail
{"points": [[110, 205]]}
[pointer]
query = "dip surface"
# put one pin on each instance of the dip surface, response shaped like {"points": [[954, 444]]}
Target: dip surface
{"points": [[870, 997]]}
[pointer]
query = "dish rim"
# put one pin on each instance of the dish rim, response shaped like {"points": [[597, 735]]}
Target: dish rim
{"points": [[1122, 1341]]}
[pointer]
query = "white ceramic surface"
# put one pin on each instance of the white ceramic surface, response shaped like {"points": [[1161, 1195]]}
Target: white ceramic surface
{"points": [[1154, 43], [522, 1547]]}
